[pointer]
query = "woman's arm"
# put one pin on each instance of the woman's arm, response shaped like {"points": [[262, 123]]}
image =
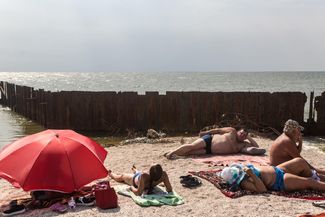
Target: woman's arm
{"points": [[166, 182], [140, 189], [253, 183]]}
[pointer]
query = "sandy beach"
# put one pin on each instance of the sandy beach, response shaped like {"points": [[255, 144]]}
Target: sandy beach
{"points": [[205, 200]]}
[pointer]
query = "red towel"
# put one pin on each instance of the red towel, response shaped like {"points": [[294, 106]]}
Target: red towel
{"points": [[211, 176], [225, 160]]}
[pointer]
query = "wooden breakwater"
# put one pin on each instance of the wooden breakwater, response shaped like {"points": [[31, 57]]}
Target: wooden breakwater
{"points": [[171, 112], [320, 108]]}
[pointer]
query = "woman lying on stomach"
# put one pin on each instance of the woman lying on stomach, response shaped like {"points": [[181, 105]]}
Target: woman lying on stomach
{"points": [[143, 182], [289, 176]]}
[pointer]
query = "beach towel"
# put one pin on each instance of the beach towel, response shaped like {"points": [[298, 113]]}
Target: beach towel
{"points": [[158, 198], [212, 176], [225, 160]]}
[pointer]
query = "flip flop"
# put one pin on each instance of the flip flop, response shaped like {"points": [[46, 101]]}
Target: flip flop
{"points": [[190, 181], [320, 204], [186, 177], [58, 207]]}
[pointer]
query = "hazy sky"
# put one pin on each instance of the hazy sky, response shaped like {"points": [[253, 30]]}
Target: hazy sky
{"points": [[162, 35]]}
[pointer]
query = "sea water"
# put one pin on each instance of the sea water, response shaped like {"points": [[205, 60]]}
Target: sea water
{"points": [[171, 81]]}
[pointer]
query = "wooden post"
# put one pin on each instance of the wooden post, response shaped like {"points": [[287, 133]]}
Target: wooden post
{"points": [[2, 91], [311, 102]]}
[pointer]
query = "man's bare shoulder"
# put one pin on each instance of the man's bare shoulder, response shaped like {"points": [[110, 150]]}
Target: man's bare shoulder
{"points": [[231, 130], [283, 141], [227, 129]]}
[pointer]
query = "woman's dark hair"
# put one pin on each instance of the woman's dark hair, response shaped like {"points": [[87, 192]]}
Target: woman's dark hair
{"points": [[155, 173]]}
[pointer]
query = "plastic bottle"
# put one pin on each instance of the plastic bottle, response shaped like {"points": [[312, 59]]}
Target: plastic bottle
{"points": [[72, 203]]}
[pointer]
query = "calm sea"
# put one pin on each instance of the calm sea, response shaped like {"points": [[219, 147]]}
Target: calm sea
{"points": [[13, 126]]}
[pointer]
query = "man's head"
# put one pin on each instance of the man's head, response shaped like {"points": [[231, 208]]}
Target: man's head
{"points": [[292, 127], [242, 134]]}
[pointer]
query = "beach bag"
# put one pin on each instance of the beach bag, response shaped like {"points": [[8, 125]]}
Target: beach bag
{"points": [[106, 197]]}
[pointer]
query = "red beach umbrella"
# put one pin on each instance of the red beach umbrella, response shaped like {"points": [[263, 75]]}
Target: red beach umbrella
{"points": [[59, 160]]}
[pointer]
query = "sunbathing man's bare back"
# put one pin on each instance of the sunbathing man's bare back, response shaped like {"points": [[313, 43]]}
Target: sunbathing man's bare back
{"points": [[283, 149]]}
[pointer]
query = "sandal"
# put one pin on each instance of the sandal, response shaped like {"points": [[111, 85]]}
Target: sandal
{"points": [[85, 201], [14, 210]]}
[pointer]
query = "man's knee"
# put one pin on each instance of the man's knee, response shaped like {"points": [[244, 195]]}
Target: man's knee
{"points": [[299, 160], [302, 163]]}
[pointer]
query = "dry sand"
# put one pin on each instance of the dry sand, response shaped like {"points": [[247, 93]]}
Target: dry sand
{"points": [[206, 200]]}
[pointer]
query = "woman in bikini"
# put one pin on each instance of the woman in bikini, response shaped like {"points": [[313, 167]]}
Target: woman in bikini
{"points": [[289, 176], [143, 182]]}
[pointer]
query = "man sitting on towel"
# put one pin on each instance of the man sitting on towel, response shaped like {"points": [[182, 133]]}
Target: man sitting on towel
{"points": [[219, 141], [289, 145]]}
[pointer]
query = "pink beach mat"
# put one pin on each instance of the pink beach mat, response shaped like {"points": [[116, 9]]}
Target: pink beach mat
{"points": [[211, 176], [225, 160]]}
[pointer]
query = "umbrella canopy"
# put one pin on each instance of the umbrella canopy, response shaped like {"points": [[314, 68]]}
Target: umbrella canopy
{"points": [[59, 160]]}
